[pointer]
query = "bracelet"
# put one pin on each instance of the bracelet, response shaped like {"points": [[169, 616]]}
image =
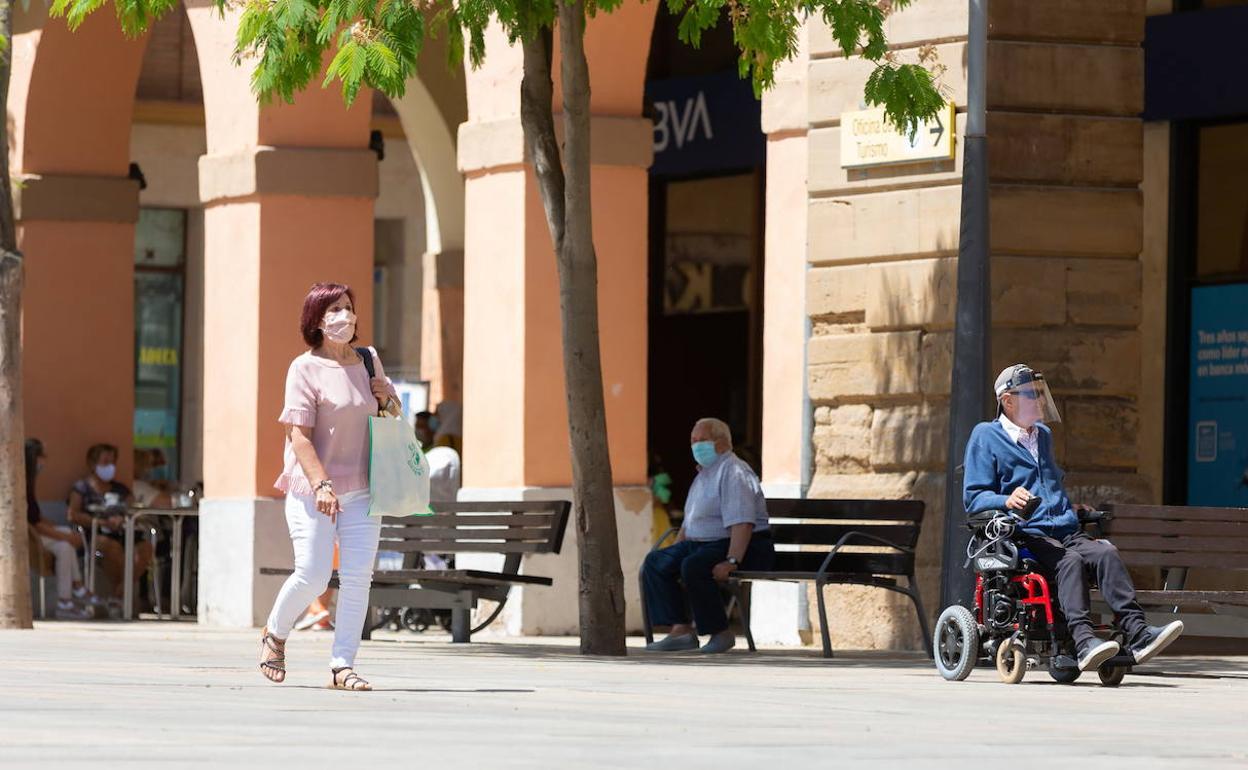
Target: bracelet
{"points": [[323, 484]]}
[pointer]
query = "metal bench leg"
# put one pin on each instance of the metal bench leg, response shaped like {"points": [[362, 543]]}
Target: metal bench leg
{"points": [[646, 628], [823, 620], [913, 593], [461, 619], [742, 594]]}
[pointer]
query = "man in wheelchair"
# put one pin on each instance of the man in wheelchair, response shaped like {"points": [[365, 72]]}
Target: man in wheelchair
{"points": [[1009, 461]]}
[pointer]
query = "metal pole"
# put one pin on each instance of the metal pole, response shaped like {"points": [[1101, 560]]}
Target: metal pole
{"points": [[969, 394]]}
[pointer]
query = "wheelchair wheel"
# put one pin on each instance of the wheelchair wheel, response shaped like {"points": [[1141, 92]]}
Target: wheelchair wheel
{"points": [[1063, 675], [1011, 663], [1111, 676], [956, 643]]}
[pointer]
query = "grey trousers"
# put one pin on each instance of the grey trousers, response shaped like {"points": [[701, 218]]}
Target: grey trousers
{"points": [[1073, 560]]}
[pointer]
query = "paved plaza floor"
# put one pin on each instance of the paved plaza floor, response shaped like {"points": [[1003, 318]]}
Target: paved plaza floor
{"points": [[173, 694]]}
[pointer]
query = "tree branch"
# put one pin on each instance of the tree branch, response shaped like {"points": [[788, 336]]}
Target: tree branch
{"points": [[538, 122]]}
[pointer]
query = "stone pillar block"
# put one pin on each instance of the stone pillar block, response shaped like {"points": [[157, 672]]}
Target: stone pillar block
{"points": [[858, 366]]}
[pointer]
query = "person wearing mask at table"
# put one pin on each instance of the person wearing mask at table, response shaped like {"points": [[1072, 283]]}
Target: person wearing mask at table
{"points": [[99, 497], [73, 600]]}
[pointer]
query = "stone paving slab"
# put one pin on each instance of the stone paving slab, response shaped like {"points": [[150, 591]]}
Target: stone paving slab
{"points": [[176, 694]]}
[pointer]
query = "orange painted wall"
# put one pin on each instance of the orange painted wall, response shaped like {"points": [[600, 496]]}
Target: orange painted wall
{"points": [[80, 98], [620, 236], [262, 257], [78, 344]]}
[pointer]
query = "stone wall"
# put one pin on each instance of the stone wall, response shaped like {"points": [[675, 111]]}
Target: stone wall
{"points": [[1066, 154], [1065, 144]]}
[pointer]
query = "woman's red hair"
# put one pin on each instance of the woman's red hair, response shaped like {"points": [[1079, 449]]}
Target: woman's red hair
{"points": [[319, 298]]}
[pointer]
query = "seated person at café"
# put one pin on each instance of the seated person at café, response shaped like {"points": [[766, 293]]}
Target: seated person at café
{"points": [[99, 496], [149, 492], [725, 529], [73, 601]]}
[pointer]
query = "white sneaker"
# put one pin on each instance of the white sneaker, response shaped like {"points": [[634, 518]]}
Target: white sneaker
{"points": [[1094, 653]]}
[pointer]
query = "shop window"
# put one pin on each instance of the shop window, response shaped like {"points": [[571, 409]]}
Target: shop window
{"points": [[159, 281]]}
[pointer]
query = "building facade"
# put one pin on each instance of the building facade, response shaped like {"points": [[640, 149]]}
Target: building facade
{"points": [[749, 269]]}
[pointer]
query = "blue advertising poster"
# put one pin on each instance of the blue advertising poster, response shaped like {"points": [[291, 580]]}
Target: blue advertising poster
{"points": [[1217, 463]]}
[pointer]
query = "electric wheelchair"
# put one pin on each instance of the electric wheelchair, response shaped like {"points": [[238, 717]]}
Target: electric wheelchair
{"points": [[1016, 623]]}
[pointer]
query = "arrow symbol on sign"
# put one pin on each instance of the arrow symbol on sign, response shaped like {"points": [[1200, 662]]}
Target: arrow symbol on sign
{"points": [[939, 131]]}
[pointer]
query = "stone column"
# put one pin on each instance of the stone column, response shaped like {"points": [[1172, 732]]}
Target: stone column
{"points": [[1065, 92], [77, 233], [288, 193], [69, 108], [880, 295], [515, 416], [277, 220], [780, 610]]}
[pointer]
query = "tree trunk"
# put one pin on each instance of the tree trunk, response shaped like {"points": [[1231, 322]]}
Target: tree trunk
{"points": [[14, 559], [567, 204]]}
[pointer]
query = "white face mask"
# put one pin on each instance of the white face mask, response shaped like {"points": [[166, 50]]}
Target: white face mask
{"points": [[106, 472], [339, 326]]}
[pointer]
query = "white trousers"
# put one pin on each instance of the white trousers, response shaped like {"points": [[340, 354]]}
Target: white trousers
{"points": [[313, 534], [68, 570]]}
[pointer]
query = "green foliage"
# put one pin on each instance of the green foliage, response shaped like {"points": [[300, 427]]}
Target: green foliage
{"points": [[135, 16], [376, 43]]}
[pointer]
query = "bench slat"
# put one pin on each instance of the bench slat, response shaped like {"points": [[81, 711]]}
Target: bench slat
{"points": [[475, 533], [1179, 513], [1131, 543], [904, 535], [873, 510], [859, 563], [466, 576], [1211, 560], [1179, 528], [460, 546], [465, 520]]}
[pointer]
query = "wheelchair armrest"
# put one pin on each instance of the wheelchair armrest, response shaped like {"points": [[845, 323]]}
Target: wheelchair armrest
{"points": [[1094, 517], [978, 520]]}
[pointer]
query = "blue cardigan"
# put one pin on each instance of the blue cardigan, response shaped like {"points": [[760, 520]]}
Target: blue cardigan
{"points": [[996, 466]]}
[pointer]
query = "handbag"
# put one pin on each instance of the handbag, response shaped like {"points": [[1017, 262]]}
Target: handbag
{"points": [[398, 471]]}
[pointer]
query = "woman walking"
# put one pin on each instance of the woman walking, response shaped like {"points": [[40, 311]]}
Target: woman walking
{"points": [[329, 398]]}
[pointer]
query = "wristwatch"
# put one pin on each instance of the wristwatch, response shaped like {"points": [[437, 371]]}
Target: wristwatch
{"points": [[733, 561]]}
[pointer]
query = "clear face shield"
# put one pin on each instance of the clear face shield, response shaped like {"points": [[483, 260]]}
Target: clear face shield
{"points": [[1032, 401]]}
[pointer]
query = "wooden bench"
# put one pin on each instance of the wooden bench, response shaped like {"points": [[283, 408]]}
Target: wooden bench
{"points": [[1177, 539], [834, 542], [512, 529]]}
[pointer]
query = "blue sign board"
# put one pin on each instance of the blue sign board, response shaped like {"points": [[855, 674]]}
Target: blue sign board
{"points": [[1217, 461], [705, 125]]}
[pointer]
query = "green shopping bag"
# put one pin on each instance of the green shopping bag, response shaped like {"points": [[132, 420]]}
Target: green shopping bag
{"points": [[398, 472]]}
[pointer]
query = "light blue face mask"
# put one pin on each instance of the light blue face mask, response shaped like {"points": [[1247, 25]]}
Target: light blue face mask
{"points": [[704, 452]]}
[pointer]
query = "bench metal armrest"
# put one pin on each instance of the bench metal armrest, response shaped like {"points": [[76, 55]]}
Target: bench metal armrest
{"points": [[844, 540], [659, 543]]}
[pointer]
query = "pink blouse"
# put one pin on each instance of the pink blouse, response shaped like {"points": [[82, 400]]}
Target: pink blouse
{"points": [[335, 401]]}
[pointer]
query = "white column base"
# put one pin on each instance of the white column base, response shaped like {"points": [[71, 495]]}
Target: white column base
{"points": [[236, 538], [553, 610]]}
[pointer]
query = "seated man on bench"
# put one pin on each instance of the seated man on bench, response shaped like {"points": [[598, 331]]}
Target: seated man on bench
{"points": [[1008, 462], [725, 528]]}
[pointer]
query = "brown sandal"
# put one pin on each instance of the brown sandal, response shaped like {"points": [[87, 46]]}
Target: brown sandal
{"points": [[352, 681], [274, 668]]}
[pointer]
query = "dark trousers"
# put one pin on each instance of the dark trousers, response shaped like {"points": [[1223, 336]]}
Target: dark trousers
{"points": [[1072, 560], [690, 563]]}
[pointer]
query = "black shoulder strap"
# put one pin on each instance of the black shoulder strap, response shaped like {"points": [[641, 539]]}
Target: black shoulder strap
{"points": [[367, 355]]}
